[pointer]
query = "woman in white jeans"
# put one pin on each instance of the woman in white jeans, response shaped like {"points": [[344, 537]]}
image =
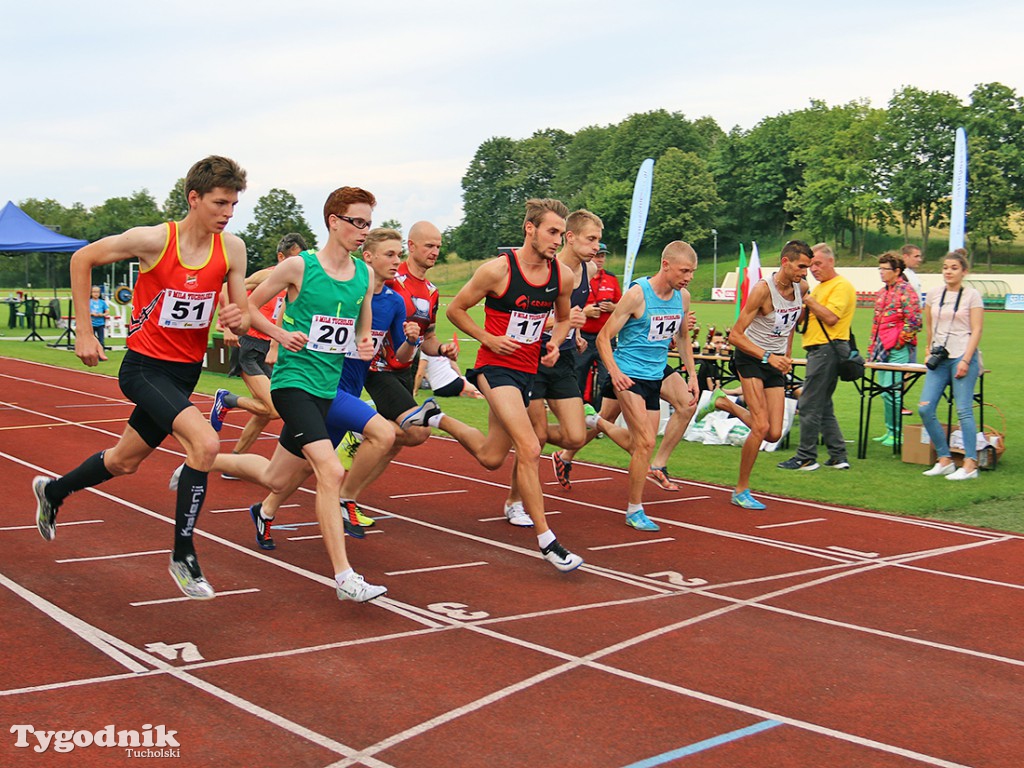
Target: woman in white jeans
{"points": [[953, 318]]}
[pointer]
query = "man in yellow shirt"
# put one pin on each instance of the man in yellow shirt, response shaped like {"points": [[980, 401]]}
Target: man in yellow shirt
{"points": [[830, 307]]}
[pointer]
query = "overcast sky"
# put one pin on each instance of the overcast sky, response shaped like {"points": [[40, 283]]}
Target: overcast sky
{"points": [[102, 99]]}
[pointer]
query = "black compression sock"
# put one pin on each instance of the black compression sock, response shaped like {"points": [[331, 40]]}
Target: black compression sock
{"points": [[191, 493], [231, 400], [90, 472]]}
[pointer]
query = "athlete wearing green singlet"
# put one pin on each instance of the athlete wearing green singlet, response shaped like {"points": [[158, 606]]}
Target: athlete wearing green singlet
{"points": [[326, 310]]}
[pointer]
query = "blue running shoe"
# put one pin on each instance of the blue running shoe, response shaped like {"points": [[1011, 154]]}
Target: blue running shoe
{"points": [[219, 409], [641, 521], [745, 500], [263, 524]]}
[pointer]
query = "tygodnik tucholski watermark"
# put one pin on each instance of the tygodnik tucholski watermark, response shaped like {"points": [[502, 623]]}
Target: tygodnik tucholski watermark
{"points": [[149, 741]]}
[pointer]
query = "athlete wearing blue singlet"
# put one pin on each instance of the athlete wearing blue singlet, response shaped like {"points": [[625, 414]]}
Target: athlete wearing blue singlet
{"points": [[651, 313]]}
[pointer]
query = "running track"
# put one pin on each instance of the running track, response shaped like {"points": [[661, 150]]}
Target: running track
{"points": [[799, 636]]}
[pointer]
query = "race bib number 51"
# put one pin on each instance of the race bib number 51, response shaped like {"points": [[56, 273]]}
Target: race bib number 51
{"points": [[187, 310], [331, 334]]}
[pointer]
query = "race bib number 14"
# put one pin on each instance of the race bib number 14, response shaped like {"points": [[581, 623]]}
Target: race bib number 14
{"points": [[663, 327]]}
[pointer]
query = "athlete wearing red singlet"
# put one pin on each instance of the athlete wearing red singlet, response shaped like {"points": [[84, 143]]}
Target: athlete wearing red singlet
{"points": [[182, 267], [518, 291], [173, 302]]}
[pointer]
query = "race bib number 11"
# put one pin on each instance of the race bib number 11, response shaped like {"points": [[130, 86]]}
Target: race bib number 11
{"points": [[331, 334]]}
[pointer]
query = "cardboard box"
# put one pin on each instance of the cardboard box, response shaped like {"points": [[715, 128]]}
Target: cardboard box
{"points": [[917, 446]]}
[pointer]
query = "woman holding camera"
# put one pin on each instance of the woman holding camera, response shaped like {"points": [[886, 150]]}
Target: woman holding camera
{"points": [[953, 318], [893, 334]]}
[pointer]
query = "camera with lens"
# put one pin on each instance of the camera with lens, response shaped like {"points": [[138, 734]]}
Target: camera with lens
{"points": [[937, 355]]}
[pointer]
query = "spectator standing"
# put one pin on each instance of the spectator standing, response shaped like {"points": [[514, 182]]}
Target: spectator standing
{"points": [[98, 313], [831, 303], [893, 334], [953, 318]]}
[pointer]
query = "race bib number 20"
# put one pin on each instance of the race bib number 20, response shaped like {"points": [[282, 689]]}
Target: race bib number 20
{"points": [[187, 310], [329, 334]]}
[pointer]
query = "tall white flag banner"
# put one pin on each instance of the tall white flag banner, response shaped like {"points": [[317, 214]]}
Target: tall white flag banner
{"points": [[958, 212], [638, 216]]}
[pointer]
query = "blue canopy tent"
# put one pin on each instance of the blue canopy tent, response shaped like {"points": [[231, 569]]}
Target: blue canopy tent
{"points": [[20, 233]]}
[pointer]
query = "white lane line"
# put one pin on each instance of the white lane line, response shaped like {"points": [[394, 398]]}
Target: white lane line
{"points": [[631, 544], [114, 557], [36, 527], [676, 500], [246, 509], [856, 552], [305, 538], [794, 522], [498, 519], [184, 599], [435, 568], [432, 493], [587, 480]]}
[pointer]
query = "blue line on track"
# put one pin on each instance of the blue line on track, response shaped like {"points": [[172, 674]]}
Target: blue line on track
{"points": [[700, 746]]}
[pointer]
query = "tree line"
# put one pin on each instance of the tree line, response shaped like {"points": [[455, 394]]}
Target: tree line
{"points": [[831, 171]]}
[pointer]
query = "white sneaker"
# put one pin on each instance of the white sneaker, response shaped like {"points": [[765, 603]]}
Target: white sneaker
{"points": [[175, 478], [961, 475], [190, 579], [515, 513], [940, 469], [355, 588], [560, 557]]}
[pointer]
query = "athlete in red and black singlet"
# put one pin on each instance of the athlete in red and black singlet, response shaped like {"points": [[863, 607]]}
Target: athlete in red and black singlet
{"points": [[519, 313], [421, 301], [271, 310], [172, 304]]}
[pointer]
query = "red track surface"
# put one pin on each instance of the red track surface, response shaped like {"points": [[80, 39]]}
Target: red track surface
{"points": [[797, 636]]}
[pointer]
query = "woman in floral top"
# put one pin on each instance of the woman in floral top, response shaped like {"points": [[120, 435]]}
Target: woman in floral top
{"points": [[893, 333]]}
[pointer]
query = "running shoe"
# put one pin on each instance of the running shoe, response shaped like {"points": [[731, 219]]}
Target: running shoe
{"points": [[175, 477], [659, 476], [350, 518], [641, 521], [807, 465], [263, 537], [363, 520], [745, 500], [562, 470], [560, 557], [889, 441], [189, 578], [46, 512], [421, 415], [347, 449], [226, 476], [516, 515], [355, 588], [219, 409], [837, 463], [709, 406]]}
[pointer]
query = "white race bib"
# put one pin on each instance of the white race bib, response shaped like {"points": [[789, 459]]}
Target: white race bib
{"points": [[785, 321], [377, 337], [187, 310], [663, 327], [332, 335], [525, 327]]}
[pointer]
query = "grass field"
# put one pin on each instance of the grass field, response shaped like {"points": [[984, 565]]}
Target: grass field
{"points": [[881, 481]]}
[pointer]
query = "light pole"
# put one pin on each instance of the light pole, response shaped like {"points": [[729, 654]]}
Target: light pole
{"points": [[714, 273]]}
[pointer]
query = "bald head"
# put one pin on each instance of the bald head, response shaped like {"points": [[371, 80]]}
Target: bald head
{"points": [[424, 248]]}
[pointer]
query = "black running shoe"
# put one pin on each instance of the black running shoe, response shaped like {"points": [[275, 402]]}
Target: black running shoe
{"points": [[263, 537], [350, 518]]}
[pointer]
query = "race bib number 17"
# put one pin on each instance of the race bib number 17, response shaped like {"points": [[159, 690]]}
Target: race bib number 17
{"points": [[331, 334], [186, 310], [525, 327]]}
